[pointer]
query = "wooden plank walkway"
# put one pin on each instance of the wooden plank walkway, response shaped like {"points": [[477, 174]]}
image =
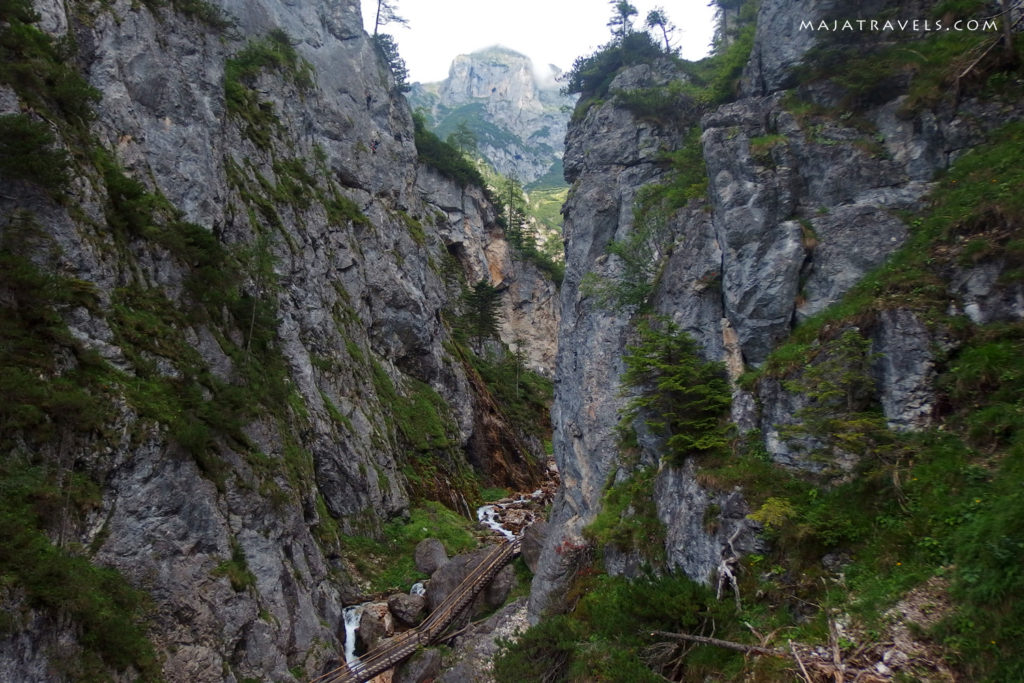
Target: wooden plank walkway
{"points": [[404, 644]]}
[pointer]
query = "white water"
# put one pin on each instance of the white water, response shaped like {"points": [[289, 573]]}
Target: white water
{"points": [[353, 615], [488, 516]]}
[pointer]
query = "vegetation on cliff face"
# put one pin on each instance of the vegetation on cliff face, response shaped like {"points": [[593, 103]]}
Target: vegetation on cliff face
{"points": [[97, 378], [884, 532]]}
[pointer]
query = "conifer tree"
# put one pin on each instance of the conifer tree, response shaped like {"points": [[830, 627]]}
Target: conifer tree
{"points": [[387, 13], [621, 22], [658, 19], [481, 316], [682, 397]]}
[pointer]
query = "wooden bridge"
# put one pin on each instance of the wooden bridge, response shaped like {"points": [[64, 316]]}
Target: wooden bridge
{"points": [[432, 628]]}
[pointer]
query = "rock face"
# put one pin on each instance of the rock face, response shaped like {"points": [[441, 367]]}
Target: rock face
{"points": [[296, 176], [515, 111], [799, 207]]}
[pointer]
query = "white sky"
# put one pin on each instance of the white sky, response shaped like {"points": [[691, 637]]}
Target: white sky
{"points": [[548, 31]]}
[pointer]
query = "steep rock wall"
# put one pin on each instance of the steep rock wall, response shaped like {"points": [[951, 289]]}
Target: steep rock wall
{"points": [[800, 206], [323, 342]]}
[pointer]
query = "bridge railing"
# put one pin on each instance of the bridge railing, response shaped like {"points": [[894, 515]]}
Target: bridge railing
{"points": [[404, 644]]}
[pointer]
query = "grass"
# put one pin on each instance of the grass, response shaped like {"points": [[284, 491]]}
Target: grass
{"points": [[628, 519], [273, 53], [388, 565], [39, 68]]}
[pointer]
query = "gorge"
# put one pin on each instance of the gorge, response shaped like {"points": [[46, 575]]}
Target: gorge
{"points": [[265, 336]]}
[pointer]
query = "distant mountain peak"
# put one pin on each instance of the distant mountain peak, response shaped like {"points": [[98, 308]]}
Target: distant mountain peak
{"points": [[515, 110]]}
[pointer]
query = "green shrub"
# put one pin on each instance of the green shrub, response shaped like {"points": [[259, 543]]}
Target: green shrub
{"points": [[236, 569], [276, 53], [628, 520], [591, 76], [38, 68], [110, 614], [27, 152], [387, 561], [680, 396], [438, 154], [606, 637]]}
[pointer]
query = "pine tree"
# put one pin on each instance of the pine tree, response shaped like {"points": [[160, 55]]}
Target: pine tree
{"points": [[387, 13], [621, 22], [682, 397], [481, 317], [658, 19], [389, 52]]}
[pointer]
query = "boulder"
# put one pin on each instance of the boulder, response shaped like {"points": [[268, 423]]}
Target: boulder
{"points": [[375, 625], [408, 609], [423, 666], [430, 555]]}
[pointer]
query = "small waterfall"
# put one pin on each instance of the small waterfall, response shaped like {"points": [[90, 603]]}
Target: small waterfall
{"points": [[488, 516], [352, 615], [418, 589]]}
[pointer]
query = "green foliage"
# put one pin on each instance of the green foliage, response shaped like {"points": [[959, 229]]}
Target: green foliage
{"points": [[38, 67], [447, 160], [111, 615], [542, 653], [659, 104], [388, 562], [43, 397], [688, 179], [590, 76], [201, 10], [387, 48], [463, 138], [680, 396], [713, 81], [642, 254], [840, 390], [524, 396], [27, 152], [607, 635], [275, 53], [342, 210], [481, 313], [418, 413], [628, 519], [639, 259], [930, 68], [236, 569]]}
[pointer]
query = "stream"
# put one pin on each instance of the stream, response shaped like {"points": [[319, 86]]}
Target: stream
{"points": [[508, 517]]}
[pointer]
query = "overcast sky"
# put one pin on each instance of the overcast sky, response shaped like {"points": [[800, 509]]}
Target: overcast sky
{"points": [[548, 31]]}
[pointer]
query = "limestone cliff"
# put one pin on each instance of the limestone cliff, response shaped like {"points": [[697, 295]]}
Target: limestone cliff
{"points": [[227, 333], [808, 190], [516, 113]]}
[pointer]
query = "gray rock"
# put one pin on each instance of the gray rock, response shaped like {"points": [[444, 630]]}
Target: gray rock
{"points": [[447, 578], [349, 302], [532, 542], [498, 590], [408, 609], [422, 667], [375, 625], [430, 555], [904, 369], [502, 89]]}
